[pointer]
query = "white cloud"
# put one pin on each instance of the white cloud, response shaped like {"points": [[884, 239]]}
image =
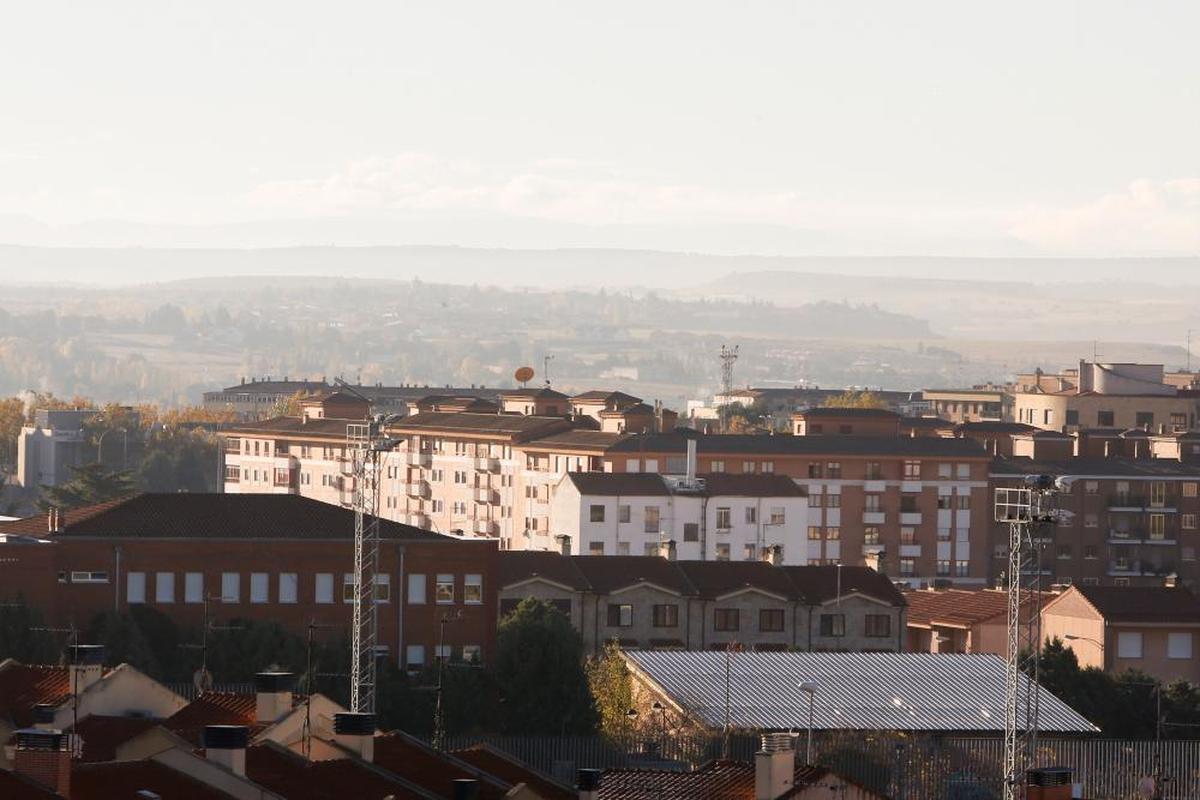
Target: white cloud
{"points": [[1147, 218]]}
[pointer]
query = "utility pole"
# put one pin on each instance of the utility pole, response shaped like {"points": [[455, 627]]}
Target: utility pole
{"points": [[728, 357]]}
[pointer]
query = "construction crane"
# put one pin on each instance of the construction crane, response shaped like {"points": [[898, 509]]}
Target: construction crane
{"points": [[1028, 510]]}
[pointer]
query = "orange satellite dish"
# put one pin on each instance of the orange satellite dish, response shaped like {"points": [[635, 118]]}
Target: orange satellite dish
{"points": [[523, 375]]}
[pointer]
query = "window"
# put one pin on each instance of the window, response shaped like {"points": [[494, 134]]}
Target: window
{"points": [[89, 576], [717, 466], [748, 466], [777, 513], [193, 587], [964, 501], [596, 513], [912, 469], [770, 620], [1143, 419], [814, 532], [907, 567], [473, 589], [595, 548], [833, 469], [943, 568], [814, 470], [414, 656], [1158, 494], [943, 534], [1089, 551], [1187, 522], [651, 519], [623, 513], [259, 587], [908, 504], [962, 569], [349, 582], [1104, 419], [872, 502], [620, 615], [472, 654], [722, 551], [289, 587], [666, 616], [416, 590], [749, 552], [1158, 526], [725, 619], [135, 587], [833, 500], [1129, 644], [874, 471], [1064, 551], [1091, 487], [444, 589], [1072, 416], [751, 515], [1091, 520], [833, 624], [945, 470], [164, 587], [909, 535], [878, 625], [323, 587], [648, 548], [768, 466], [1179, 645], [1189, 489], [691, 532], [833, 533], [723, 523], [944, 502], [231, 587], [816, 500], [870, 535]]}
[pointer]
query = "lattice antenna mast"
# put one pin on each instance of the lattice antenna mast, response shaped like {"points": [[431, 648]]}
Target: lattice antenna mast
{"points": [[365, 444], [1030, 512], [728, 357]]}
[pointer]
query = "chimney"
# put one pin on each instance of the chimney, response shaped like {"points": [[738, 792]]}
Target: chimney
{"points": [[86, 666], [588, 783], [466, 789], [774, 766], [669, 550], [564, 544], [773, 555], [1049, 783], [43, 716], [226, 745], [272, 696], [43, 757], [691, 460], [356, 731]]}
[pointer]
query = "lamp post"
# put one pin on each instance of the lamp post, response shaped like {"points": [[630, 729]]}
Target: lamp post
{"points": [[125, 449], [439, 714], [809, 688], [631, 717]]}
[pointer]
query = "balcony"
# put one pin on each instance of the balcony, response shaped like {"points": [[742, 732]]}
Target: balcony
{"points": [[870, 549], [487, 464], [485, 495], [285, 478], [486, 527], [874, 517], [417, 489], [1126, 502], [910, 517], [233, 446], [417, 519], [1130, 567], [419, 459], [1139, 536], [910, 551], [874, 485]]}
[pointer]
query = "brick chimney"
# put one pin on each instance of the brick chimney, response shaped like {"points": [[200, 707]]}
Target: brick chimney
{"points": [[355, 731], [669, 550], [226, 745], [466, 789], [86, 667], [588, 783], [775, 766], [42, 756], [1048, 783], [272, 696]]}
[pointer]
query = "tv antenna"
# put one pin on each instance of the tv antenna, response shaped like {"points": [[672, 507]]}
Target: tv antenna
{"points": [[728, 357], [546, 368]]}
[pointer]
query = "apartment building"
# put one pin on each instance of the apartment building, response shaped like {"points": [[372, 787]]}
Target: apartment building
{"points": [[964, 620], [48, 448], [718, 517], [919, 508], [1120, 396], [284, 559], [846, 422], [1151, 629], [1129, 522], [257, 398], [649, 602], [977, 404]]}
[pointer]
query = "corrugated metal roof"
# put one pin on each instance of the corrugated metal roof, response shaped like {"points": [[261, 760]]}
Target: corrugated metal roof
{"points": [[856, 691]]}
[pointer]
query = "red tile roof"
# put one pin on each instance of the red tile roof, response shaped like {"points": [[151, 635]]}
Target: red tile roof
{"points": [[291, 776], [502, 765], [103, 735], [122, 780], [419, 763], [959, 607], [23, 687], [212, 708], [728, 780]]}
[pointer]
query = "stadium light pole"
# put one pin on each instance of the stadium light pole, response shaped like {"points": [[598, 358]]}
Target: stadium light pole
{"points": [[809, 688]]}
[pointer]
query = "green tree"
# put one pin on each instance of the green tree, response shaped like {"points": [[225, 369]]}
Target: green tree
{"points": [[539, 665], [179, 460], [124, 643], [90, 483], [853, 399], [20, 637], [248, 647], [12, 419], [612, 690]]}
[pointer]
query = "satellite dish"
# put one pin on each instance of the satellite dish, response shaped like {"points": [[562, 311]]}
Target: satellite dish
{"points": [[523, 375], [202, 679], [1147, 787]]}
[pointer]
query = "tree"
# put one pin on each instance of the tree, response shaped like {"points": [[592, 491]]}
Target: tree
{"points": [[124, 642], [12, 419], [179, 460], [612, 690], [89, 484], [539, 665], [853, 399], [21, 637], [288, 406], [251, 646]]}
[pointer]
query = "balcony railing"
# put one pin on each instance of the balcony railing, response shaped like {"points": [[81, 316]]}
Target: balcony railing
{"points": [[486, 527], [417, 488], [485, 495], [419, 459], [487, 464], [1135, 501]]}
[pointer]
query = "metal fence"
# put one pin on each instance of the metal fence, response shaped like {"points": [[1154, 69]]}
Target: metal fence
{"points": [[898, 766], [189, 692]]}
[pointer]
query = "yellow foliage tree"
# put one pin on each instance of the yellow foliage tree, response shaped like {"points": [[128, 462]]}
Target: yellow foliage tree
{"points": [[853, 399]]}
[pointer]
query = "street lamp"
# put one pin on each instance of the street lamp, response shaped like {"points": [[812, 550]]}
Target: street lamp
{"points": [[124, 451], [810, 688], [439, 714]]}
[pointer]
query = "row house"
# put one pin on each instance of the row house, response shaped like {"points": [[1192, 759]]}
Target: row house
{"points": [[716, 517], [1127, 522], [918, 508], [279, 558], [650, 602]]}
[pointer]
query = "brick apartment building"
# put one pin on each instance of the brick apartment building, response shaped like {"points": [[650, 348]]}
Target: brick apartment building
{"points": [[649, 602], [285, 559]]}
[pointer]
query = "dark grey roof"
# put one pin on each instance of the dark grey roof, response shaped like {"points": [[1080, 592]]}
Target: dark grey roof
{"points": [[961, 693], [1095, 466], [675, 442], [468, 422], [993, 427], [295, 426], [627, 484], [845, 411]]}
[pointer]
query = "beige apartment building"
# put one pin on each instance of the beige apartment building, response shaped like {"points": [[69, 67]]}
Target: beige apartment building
{"points": [[978, 404], [1120, 396], [1152, 629]]}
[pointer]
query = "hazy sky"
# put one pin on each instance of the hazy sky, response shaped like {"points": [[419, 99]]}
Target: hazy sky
{"points": [[979, 128]]}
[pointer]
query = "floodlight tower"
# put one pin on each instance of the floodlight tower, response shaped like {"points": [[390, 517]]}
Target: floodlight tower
{"points": [[365, 444], [728, 356], [1027, 510]]}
